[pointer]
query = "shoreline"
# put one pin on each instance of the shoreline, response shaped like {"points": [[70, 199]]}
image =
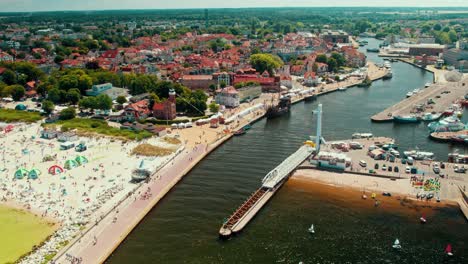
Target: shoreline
{"points": [[313, 184]]}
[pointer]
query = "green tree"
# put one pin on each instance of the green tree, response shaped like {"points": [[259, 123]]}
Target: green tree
{"points": [[214, 108], [9, 77], [17, 92], [58, 59], [67, 113], [84, 83], [88, 103], [73, 96], [321, 58], [452, 36], [332, 65], [265, 62], [340, 59], [54, 95], [67, 82], [104, 102], [437, 27], [48, 106], [121, 99]]}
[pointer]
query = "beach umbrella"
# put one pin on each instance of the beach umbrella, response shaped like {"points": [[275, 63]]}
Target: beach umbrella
{"points": [[54, 170], [70, 164], [34, 174], [21, 173], [81, 160]]}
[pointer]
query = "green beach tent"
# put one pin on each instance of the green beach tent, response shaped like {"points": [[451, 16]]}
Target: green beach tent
{"points": [[20, 107], [70, 164], [34, 174], [81, 160], [21, 173]]}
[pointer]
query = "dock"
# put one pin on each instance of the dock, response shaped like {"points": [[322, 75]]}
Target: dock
{"points": [[449, 136], [271, 183], [448, 93]]}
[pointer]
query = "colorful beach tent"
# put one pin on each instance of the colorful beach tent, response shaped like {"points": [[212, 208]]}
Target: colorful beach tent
{"points": [[54, 170], [20, 107], [34, 174], [21, 173], [70, 164], [81, 160]]}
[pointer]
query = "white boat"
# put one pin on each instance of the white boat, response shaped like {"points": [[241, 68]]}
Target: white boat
{"points": [[419, 155], [396, 244], [311, 229], [342, 89], [409, 94], [415, 91], [431, 116], [362, 135], [449, 124], [427, 85]]}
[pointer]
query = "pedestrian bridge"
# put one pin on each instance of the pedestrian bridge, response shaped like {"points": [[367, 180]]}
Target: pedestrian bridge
{"points": [[283, 170]]}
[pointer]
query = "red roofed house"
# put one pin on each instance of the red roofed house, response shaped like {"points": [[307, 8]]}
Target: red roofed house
{"points": [[197, 81], [30, 88], [353, 57], [269, 84], [136, 111], [167, 109], [228, 97], [310, 79]]}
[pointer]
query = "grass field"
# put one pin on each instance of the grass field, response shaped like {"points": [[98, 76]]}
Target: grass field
{"points": [[10, 115], [20, 231]]}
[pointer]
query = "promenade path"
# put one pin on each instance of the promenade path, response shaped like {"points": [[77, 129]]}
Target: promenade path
{"points": [[102, 239]]}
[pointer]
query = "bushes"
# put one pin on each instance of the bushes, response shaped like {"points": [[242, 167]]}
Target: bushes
{"points": [[9, 115], [91, 126]]}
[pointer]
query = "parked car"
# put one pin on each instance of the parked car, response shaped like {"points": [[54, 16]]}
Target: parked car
{"points": [[390, 168], [363, 163], [384, 167], [408, 169]]}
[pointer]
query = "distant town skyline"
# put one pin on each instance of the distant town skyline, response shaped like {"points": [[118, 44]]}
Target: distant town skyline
{"points": [[59, 5]]}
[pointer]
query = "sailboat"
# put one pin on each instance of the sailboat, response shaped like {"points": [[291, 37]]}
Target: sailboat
{"points": [[311, 229], [396, 244], [423, 219], [448, 250]]}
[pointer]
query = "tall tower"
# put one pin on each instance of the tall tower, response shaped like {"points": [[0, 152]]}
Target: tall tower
{"points": [[172, 96], [206, 18]]}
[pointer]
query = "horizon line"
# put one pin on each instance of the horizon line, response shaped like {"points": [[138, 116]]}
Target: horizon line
{"points": [[220, 8]]}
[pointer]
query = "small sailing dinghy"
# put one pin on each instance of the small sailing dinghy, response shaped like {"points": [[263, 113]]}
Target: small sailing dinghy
{"points": [[423, 219], [448, 250], [396, 244], [311, 229]]}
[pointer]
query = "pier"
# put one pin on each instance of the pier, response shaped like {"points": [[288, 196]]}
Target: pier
{"points": [[271, 183], [442, 94]]}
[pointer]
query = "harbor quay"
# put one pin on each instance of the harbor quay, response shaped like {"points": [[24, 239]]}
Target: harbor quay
{"points": [[364, 164], [436, 98]]}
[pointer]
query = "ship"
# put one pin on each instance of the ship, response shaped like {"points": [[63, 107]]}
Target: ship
{"points": [[389, 75], [283, 107], [431, 116], [406, 119], [419, 155], [373, 50], [449, 124]]}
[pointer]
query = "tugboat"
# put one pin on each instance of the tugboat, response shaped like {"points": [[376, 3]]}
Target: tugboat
{"points": [[283, 107]]}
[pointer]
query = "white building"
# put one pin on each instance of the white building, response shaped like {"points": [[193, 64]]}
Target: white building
{"points": [[228, 97]]}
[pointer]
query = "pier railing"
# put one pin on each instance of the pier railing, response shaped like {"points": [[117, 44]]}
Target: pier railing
{"points": [[286, 167]]}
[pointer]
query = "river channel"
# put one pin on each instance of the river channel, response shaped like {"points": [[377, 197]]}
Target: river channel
{"points": [[183, 227]]}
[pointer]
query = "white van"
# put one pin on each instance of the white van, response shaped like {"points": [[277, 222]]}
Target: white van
{"points": [[363, 163]]}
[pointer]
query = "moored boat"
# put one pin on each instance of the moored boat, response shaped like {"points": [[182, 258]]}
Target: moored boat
{"points": [[240, 132], [419, 155], [283, 107], [431, 116], [449, 124], [372, 50], [406, 119], [342, 89], [389, 75], [427, 85], [409, 94]]}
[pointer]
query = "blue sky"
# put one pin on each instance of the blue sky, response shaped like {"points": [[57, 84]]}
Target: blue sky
{"points": [[49, 5]]}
